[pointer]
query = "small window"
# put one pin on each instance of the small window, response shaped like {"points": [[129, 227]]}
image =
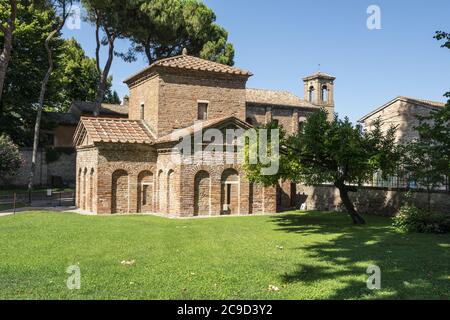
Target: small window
{"points": [[142, 111], [276, 122], [202, 111], [324, 94], [301, 126], [249, 121], [311, 94]]}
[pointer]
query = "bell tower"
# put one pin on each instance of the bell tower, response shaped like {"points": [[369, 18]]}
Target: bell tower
{"points": [[319, 90]]}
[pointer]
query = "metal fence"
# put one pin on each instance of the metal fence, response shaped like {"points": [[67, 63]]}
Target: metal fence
{"points": [[404, 181], [38, 199]]}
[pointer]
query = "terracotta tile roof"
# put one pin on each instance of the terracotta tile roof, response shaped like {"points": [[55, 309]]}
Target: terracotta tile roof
{"points": [[204, 125], [319, 74], [106, 109], [188, 62], [114, 130], [420, 102], [273, 97], [424, 102]]}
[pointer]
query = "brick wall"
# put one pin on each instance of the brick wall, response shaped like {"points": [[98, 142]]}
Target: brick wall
{"points": [[401, 114], [369, 200]]}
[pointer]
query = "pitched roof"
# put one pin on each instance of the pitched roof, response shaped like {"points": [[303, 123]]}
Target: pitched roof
{"points": [[187, 62], [112, 130], [105, 109], [273, 97], [420, 102], [319, 74], [62, 118], [175, 135]]}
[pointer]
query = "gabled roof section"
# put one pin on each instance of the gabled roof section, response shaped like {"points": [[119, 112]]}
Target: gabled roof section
{"points": [[272, 97], [420, 102], [106, 109], [112, 130], [187, 62], [320, 75], [61, 118], [208, 124]]}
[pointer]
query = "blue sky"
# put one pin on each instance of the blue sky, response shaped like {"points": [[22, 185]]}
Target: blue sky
{"points": [[283, 41]]}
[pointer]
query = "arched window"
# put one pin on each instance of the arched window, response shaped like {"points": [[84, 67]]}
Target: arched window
{"points": [[142, 111], [301, 126], [311, 94], [324, 94], [202, 194], [230, 195]]}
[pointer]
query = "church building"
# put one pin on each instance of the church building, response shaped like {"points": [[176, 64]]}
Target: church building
{"points": [[127, 165]]}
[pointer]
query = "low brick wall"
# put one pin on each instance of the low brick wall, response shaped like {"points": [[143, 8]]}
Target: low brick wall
{"points": [[64, 168], [370, 200]]}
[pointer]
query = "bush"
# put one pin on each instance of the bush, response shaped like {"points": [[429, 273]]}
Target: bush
{"points": [[411, 219], [10, 161]]}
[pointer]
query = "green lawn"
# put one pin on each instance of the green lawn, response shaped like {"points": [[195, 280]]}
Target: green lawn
{"points": [[305, 255]]}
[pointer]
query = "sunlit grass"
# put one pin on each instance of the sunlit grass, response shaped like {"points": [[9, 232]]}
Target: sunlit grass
{"points": [[304, 255]]}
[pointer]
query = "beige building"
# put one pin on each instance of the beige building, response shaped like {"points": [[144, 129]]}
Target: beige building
{"points": [[402, 113], [129, 165]]}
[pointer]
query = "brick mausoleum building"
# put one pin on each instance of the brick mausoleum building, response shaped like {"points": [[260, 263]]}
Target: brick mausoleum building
{"points": [[126, 165]]}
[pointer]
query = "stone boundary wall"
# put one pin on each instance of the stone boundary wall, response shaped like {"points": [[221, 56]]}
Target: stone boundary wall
{"points": [[379, 201], [64, 168]]}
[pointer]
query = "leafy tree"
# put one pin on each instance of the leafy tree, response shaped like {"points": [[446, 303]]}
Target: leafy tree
{"points": [[62, 8], [10, 160], [75, 76], [8, 13], [427, 158], [109, 16], [112, 97], [162, 28], [332, 152]]}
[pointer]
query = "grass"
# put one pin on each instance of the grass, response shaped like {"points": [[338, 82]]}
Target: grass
{"points": [[306, 255]]}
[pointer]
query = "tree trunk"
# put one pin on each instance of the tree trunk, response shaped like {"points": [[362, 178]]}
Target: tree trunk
{"points": [[104, 76], [148, 53], [5, 56], [37, 126], [348, 204]]}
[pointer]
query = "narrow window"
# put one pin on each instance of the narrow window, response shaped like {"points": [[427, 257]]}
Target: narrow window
{"points": [[202, 111], [145, 194], [142, 111], [324, 94], [301, 126], [311, 94]]}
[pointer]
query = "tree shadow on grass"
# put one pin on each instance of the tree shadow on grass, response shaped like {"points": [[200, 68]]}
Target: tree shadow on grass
{"points": [[413, 266]]}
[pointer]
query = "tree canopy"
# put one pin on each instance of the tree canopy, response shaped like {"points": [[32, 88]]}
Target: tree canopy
{"points": [[162, 28], [74, 76], [333, 152]]}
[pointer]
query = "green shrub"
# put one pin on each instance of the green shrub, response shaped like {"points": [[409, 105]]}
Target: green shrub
{"points": [[411, 219], [10, 160]]}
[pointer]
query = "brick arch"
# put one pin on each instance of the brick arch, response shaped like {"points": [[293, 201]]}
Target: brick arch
{"points": [[145, 192], [120, 192], [202, 193], [170, 187], [79, 179], [90, 193], [230, 192], [160, 193], [84, 192]]}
